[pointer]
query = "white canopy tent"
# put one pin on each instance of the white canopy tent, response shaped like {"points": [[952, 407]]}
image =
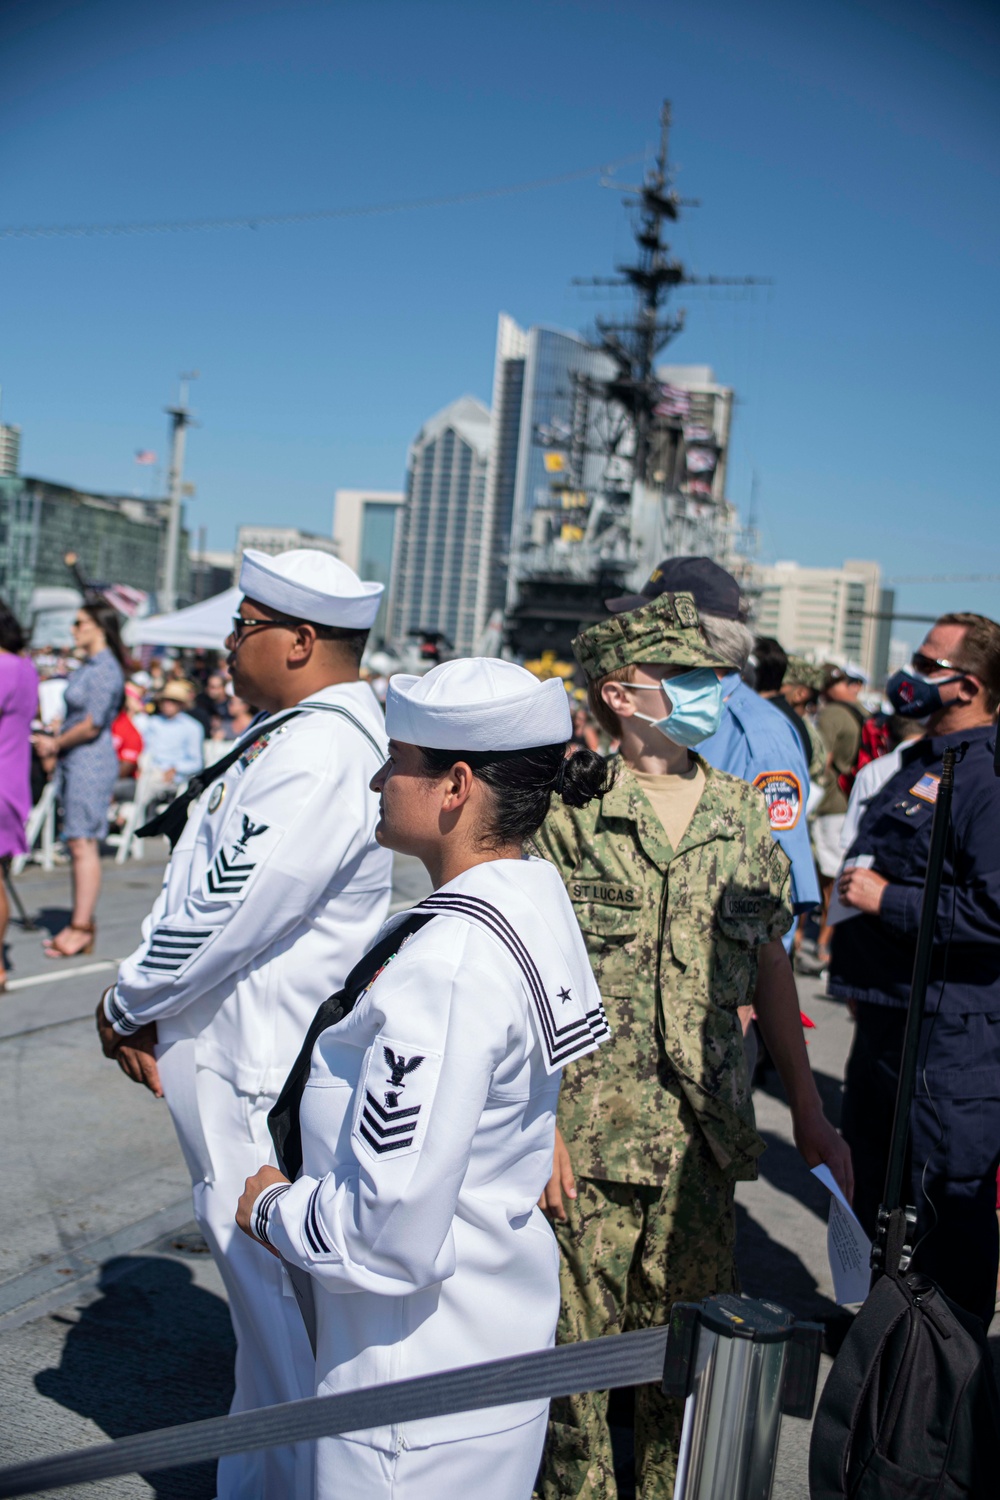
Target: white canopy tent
{"points": [[203, 626]]}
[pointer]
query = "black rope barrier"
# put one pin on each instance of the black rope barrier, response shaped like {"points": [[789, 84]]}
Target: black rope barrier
{"points": [[596, 1365]]}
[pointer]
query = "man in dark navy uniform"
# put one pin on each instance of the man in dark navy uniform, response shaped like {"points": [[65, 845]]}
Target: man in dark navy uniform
{"points": [[954, 683]]}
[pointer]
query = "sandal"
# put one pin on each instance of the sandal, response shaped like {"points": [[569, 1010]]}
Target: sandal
{"points": [[90, 928]]}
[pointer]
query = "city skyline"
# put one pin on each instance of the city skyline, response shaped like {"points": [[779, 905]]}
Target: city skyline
{"points": [[849, 156]]}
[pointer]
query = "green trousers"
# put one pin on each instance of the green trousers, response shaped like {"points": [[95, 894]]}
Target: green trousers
{"points": [[628, 1252]]}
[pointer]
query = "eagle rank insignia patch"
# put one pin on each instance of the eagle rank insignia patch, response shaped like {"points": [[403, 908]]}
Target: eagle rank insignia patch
{"points": [[396, 1097], [245, 845]]}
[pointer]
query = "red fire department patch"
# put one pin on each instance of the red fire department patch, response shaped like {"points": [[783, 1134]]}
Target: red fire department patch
{"points": [[783, 795]]}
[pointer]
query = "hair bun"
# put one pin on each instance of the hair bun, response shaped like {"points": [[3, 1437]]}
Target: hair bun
{"points": [[585, 775]]}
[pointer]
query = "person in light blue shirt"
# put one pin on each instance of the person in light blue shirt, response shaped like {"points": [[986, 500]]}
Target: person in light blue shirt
{"points": [[757, 743], [173, 739], [754, 741]]}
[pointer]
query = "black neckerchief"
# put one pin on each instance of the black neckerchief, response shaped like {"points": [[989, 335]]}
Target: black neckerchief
{"points": [[172, 819], [283, 1120]]}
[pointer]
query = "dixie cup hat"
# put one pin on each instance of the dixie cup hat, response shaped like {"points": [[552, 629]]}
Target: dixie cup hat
{"points": [[477, 703], [310, 585]]}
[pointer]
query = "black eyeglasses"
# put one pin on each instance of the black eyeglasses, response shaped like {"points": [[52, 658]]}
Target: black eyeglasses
{"points": [[927, 666], [240, 625]]}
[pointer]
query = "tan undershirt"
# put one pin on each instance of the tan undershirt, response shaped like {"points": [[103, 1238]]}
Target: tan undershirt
{"points": [[673, 798]]}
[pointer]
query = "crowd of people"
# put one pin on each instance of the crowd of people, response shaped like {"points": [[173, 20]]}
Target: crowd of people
{"points": [[370, 1106], [93, 720]]}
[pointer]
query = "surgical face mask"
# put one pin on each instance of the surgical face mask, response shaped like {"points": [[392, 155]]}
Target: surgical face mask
{"points": [[696, 706], [915, 696]]}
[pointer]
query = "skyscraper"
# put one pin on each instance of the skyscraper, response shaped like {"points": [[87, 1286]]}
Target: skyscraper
{"points": [[535, 387], [364, 530], [501, 472], [437, 562], [10, 448]]}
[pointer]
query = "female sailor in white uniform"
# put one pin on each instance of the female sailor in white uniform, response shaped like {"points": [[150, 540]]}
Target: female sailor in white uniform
{"points": [[425, 1132]]}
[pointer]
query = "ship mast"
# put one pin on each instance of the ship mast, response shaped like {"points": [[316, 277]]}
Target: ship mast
{"points": [[658, 447], [635, 343]]}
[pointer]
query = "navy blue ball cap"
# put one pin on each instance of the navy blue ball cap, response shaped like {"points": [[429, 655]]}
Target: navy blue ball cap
{"points": [[715, 591]]}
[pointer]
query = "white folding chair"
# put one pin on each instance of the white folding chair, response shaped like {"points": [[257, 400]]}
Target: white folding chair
{"points": [[41, 829]]}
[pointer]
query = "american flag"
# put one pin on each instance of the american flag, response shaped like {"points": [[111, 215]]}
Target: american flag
{"points": [[673, 402], [145, 456], [125, 599]]}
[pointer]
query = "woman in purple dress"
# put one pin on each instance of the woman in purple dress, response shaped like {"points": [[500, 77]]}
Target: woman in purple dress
{"points": [[86, 764], [18, 706]]}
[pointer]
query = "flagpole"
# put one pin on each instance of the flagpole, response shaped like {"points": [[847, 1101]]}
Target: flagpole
{"points": [[180, 419]]}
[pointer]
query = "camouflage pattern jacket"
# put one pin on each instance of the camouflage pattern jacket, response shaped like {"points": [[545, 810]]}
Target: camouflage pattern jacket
{"points": [[673, 937]]}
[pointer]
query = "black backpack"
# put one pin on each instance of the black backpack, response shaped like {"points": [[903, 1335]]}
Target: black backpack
{"points": [[910, 1410]]}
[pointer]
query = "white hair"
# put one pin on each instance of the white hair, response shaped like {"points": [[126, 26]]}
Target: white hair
{"points": [[731, 640]]}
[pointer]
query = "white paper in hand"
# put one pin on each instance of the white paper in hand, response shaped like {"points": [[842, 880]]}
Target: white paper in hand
{"points": [[847, 1245], [837, 911]]}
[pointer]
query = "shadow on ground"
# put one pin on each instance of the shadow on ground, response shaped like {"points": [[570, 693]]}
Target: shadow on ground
{"points": [[769, 1269], [154, 1350], [782, 1166], [51, 919], [831, 1089]]}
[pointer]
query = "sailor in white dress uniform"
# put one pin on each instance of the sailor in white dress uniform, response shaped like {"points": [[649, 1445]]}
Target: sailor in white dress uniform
{"points": [[275, 888], [425, 1118]]}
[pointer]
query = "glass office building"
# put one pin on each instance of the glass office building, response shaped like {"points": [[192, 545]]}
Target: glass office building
{"points": [[364, 530], [440, 530], [533, 394], [116, 539]]}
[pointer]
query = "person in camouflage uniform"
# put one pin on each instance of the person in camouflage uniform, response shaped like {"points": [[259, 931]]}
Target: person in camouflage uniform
{"points": [[801, 688], [657, 1127], [802, 685]]}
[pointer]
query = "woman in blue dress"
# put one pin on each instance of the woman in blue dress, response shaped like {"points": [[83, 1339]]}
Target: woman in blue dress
{"points": [[86, 765]]}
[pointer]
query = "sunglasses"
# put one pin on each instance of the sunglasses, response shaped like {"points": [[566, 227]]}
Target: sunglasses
{"points": [[241, 626], [927, 666]]}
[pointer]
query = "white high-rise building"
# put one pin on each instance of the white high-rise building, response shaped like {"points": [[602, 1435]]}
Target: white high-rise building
{"points": [[275, 539], [10, 448], [439, 535], [828, 614], [501, 472]]}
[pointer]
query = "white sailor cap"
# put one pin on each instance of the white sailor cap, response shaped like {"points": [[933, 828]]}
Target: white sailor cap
{"points": [[310, 585], [477, 703]]}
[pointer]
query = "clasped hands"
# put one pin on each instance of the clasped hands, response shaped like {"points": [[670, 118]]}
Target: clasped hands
{"points": [[136, 1057], [134, 1054]]}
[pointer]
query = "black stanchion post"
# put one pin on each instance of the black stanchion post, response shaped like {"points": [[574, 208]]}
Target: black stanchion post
{"points": [[897, 1220]]}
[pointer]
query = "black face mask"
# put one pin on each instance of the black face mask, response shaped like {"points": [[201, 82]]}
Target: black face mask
{"points": [[915, 696]]}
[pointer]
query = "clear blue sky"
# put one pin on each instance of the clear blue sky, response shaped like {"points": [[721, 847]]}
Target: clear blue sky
{"points": [[848, 151]]}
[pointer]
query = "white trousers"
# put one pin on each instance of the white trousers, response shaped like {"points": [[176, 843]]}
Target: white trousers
{"points": [[273, 1359], [499, 1466]]}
